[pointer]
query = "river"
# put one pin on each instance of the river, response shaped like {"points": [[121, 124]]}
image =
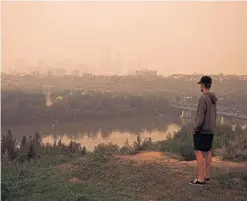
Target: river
{"points": [[117, 131]]}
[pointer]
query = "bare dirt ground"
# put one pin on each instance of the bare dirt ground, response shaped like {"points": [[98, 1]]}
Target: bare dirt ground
{"points": [[159, 157]]}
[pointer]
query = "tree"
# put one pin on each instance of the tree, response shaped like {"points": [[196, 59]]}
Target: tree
{"points": [[3, 144], [23, 141], [83, 150], [55, 143], [35, 145], [37, 138], [71, 146], [59, 143], [10, 146], [137, 144]]}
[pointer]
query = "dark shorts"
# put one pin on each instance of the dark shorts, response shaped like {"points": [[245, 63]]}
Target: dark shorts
{"points": [[203, 142]]}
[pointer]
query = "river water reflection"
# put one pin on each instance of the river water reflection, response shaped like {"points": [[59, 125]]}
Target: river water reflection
{"points": [[91, 133], [117, 131], [115, 137]]}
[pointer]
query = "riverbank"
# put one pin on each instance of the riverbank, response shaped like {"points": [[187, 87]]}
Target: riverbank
{"points": [[93, 177]]}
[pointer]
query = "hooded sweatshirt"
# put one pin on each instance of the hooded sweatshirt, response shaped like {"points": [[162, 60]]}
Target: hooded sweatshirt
{"points": [[205, 122]]}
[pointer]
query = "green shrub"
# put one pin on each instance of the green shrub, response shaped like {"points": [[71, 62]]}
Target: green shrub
{"points": [[107, 149], [127, 149], [237, 150], [228, 143], [181, 144], [187, 152]]}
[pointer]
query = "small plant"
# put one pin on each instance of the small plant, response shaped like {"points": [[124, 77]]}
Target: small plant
{"points": [[143, 144], [137, 143], [83, 150], [127, 149]]}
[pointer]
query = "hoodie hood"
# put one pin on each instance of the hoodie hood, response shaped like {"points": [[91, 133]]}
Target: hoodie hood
{"points": [[212, 96]]}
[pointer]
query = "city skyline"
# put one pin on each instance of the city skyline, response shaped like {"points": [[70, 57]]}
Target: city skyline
{"points": [[201, 37]]}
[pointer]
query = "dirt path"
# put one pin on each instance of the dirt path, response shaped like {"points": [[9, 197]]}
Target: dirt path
{"points": [[159, 157]]}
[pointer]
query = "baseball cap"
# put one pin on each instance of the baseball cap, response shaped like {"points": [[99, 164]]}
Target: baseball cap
{"points": [[205, 80]]}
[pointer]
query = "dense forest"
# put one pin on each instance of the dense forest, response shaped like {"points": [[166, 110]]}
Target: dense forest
{"points": [[21, 107]]}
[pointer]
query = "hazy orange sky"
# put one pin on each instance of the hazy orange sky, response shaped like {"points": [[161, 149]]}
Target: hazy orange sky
{"points": [[204, 37]]}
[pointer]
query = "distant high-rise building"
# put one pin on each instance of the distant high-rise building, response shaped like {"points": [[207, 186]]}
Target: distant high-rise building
{"points": [[107, 63], [35, 73], [67, 64], [59, 71], [50, 72], [75, 72], [147, 73]]}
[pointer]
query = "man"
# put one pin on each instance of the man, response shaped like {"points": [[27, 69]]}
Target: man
{"points": [[204, 130]]}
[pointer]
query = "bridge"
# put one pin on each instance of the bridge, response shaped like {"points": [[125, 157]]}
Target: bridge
{"points": [[238, 112]]}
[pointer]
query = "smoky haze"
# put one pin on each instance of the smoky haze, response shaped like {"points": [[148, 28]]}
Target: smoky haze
{"points": [[205, 37]]}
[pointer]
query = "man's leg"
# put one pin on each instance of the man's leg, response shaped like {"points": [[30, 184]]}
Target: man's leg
{"points": [[200, 165], [207, 162]]}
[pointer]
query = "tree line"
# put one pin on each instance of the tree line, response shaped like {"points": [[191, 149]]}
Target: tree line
{"points": [[231, 88], [106, 96], [23, 107], [32, 147]]}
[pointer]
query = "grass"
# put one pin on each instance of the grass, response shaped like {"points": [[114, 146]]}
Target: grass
{"points": [[107, 178], [73, 175]]}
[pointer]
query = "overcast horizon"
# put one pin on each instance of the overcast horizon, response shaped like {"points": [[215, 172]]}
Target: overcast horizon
{"points": [[177, 37]]}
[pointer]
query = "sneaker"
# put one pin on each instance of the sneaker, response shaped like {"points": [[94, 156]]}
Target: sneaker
{"points": [[207, 180], [198, 183]]}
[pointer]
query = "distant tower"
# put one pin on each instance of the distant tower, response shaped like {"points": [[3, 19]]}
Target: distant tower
{"points": [[106, 62]]}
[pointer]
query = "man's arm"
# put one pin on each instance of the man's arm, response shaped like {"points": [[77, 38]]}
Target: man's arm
{"points": [[201, 109]]}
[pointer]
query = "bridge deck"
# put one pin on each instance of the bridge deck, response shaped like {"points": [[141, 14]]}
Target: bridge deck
{"points": [[220, 111]]}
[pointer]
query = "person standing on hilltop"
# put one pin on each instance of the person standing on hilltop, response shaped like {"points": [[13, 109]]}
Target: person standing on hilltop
{"points": [[204, 130]]}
